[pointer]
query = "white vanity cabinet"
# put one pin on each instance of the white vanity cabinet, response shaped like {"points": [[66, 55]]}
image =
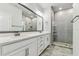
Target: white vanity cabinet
{"points": [[26, 47], [43, 42], [19, 48], [24, 51], [28, 50]]}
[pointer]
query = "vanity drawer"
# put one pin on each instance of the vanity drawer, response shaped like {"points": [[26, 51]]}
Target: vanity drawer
{"points": [[15, 46]]}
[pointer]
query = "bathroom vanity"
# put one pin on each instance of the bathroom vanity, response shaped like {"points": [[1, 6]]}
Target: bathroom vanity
{"points": [[19, 18], [28, 44]]}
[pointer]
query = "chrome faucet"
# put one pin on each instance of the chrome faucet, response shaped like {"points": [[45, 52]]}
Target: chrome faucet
{"points": [[17, 34]]}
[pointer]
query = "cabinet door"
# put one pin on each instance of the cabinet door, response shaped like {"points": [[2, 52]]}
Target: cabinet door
{"points": [[26, 50], [19, 53], [47, 40], [41, 44], [33, 48]]}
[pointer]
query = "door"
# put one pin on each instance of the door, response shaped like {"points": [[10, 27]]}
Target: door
{"points": [[76, 37]]}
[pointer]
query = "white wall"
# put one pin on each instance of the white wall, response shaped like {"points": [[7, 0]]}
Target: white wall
{"points": [[64, 26]]}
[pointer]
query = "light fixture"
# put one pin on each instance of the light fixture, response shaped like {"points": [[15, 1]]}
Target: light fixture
{"points": [[60, 8]]}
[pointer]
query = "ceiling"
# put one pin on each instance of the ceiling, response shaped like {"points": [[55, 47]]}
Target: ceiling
{"points": [[56, 6], [43, 6], [64, 6]]}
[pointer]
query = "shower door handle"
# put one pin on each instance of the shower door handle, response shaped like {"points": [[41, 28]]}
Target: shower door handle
{"points": [[75, 19]]}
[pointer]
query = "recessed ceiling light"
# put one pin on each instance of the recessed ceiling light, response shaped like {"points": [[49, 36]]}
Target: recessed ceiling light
{"points": [[60, 8]]}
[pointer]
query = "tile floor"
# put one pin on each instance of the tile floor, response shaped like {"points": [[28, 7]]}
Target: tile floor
{"points": [[58, 50]]}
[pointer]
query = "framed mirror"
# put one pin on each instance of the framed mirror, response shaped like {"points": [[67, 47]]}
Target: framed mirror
{"points": [[16, 17]]}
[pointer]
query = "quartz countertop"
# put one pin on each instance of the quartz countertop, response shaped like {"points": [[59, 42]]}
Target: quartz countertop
{"points": [[26, 35]]}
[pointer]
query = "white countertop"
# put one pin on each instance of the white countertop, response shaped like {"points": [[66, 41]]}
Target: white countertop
{"points": [[25, 35]]}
